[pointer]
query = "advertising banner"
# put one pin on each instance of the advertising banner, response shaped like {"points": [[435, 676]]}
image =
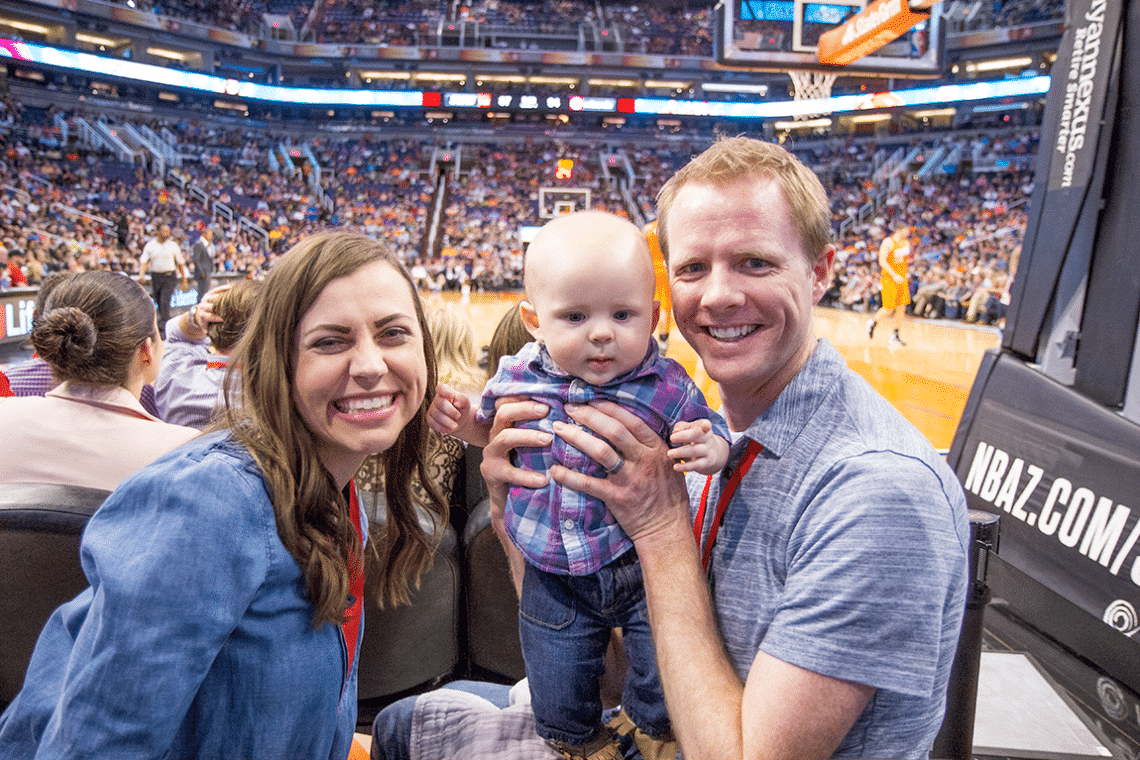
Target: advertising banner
{"points": [[1063, 473]]}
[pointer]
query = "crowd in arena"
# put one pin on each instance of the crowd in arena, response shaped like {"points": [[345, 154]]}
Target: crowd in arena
{"points": [[676, 28], [72, 211]]}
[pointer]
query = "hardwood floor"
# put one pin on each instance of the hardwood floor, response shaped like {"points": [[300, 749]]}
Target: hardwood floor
{"points": [[927, 380]]}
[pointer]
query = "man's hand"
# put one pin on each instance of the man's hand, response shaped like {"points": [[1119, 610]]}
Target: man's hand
{"points": [[645, 495], [499, 472], [497, 469]]}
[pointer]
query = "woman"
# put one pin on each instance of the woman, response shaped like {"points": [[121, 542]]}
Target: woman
{"points": [[454, 345], [98, 334], [199, 342], [223, 617]]}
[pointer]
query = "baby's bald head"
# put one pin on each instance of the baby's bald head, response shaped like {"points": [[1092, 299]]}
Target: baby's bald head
{"points": [[594, 241]]}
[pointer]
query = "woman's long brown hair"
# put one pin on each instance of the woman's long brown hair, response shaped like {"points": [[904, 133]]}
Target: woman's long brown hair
{"points": [[312, 516]]}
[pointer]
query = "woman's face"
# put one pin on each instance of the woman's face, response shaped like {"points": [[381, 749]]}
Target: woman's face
{"points": [[361, 373]]}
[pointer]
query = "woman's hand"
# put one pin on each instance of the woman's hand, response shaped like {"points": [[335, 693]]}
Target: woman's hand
{"points": [[644, 493]]}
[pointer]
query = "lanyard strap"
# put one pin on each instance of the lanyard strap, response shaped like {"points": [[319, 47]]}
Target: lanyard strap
{"points": [[351, 625], [726, 495]]}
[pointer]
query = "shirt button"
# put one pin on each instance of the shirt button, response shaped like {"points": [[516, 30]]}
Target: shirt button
{"points": [[568, 524]]}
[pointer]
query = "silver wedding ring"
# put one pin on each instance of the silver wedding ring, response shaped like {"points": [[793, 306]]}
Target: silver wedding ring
{"points": [[616, 467]]}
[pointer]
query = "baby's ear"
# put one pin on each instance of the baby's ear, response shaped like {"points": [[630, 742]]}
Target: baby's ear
{"points": [[656, 314], [530, 319]]}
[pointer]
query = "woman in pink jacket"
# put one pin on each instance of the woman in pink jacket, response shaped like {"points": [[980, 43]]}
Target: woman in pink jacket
{"points": [[98, 332]]}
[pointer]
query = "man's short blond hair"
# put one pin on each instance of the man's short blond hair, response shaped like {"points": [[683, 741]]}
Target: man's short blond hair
{"points": [[732, 159]]}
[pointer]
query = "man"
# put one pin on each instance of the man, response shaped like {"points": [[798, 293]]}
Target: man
{"points": [[839, 577], [816, 613], [163, 257], [894, 255], [202, 257]]}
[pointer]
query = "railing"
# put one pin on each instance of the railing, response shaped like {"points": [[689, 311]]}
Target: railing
{"points": [[246, 223], [22, 194], [221, 209], [72, 210], [53, 236], [34, 178]]}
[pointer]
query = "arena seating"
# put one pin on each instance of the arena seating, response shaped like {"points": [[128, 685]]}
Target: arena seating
{"points": [[40, 525]]}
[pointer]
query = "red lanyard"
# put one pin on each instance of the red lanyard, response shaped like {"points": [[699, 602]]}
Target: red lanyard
{"points": [[750, 454], [351, 625]]}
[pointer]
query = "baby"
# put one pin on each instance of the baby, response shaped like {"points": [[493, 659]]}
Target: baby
{"points": [[589, 305]]}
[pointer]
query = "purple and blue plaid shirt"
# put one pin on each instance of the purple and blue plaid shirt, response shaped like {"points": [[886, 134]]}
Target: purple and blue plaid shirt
{"points": [[557, 529]]}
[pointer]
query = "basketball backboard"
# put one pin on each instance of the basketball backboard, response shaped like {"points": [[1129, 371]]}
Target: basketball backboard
{"points": [[780, 35], [556, 201]]}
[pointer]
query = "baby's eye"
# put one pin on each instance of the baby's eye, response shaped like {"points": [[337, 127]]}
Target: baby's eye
{"points": [[622, 315], [575, 316]]}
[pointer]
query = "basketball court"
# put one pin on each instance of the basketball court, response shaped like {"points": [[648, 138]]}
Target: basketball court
{"points": [[927, 380]]}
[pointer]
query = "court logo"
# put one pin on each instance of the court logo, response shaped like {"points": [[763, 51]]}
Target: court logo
{"points": [[1121, 615]]}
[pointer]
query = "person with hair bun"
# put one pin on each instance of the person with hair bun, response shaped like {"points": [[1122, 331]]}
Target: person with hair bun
{"points": [[225, 614], [98, 333]]}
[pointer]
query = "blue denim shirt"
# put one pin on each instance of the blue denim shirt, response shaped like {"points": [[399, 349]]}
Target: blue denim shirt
{"points": [[195, 639]]}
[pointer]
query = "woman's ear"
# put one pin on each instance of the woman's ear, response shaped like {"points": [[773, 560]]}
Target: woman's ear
{"points": [[148, 351]]}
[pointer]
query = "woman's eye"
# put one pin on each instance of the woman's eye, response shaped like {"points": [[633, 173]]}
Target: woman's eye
{"points": [[327, 344], [397, 334]]}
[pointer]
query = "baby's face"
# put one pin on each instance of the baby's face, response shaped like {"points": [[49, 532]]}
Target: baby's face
{"points": [[596, 322]]}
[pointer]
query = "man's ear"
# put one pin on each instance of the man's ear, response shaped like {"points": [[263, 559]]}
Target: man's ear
{"points": [[821, 272], [530, 319]]}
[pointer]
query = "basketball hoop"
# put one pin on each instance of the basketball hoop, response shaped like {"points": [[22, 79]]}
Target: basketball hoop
{"points": [[811, 85]]}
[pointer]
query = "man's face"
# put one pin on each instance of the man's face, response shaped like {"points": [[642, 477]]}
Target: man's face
{"points": [[743, 289], [163, 233]]}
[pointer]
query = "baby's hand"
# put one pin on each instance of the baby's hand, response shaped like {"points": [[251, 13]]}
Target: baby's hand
{"points": [[697, 448], [447, 410], [453, 413]]}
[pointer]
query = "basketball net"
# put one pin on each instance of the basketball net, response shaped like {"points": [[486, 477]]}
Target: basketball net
{"points": [[811, 85]]}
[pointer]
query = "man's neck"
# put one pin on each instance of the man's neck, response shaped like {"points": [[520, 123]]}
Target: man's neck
{"points": [[741, 406]]}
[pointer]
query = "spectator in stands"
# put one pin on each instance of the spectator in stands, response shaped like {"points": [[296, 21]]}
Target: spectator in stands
{"points": [[16, 260], [202, 257], [162, 256], [34, 377], [224, 613], [509, 337], [99, 336], [199, 342]]}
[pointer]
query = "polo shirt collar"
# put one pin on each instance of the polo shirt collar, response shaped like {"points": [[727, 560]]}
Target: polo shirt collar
{"points": [[781, 423]]}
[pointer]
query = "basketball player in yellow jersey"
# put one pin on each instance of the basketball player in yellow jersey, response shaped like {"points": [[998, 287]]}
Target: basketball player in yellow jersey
{"points": [[661, 290], [894, 255]]}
